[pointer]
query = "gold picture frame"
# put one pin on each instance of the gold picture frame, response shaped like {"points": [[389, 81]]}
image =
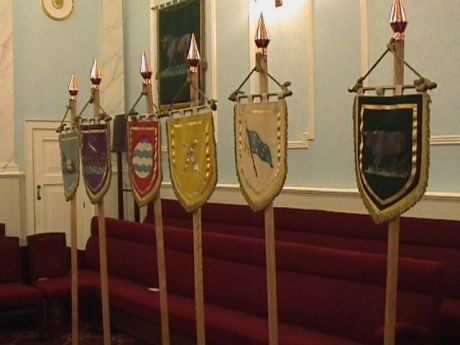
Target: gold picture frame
{"points": [[175, 25]]}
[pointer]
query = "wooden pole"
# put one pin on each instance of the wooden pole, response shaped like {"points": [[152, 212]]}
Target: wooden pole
{"points": [[262, 68], [398, 23], [197, 238], [393, 227], [198, 270], [96, 79], [193, 59], [161, 270], [391, 282], [73, 228], [147, 90], [74, 268], [104, 274]]}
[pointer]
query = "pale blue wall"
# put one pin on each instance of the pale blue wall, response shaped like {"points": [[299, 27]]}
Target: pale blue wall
{"points": [[433, 48], [136, 41], [46, 52]]}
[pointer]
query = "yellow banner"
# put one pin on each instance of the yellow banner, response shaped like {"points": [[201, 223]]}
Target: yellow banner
{"points": [[192, 158]]}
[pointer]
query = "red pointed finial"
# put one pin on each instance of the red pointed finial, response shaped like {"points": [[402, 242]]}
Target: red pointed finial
{"points": [[95, 76], [262, 38], [73, 86], [193, 56], [146, 70], [398, 21]]}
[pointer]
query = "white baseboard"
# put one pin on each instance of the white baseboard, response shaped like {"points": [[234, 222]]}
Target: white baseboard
{"points": [[436, 205]]}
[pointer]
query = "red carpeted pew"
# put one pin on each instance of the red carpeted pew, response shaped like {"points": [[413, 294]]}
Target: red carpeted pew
{"points": [[430, 239], [325, 296], [17, 298]]}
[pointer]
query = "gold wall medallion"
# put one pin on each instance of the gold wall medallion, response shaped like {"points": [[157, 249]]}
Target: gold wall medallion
{"points": [[57, 9]]}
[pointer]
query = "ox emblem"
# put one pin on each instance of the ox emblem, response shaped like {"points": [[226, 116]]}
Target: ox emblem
{"points": [[391, 152]]}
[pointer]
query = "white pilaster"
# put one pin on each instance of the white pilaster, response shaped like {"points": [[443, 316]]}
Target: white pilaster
{"points": [[7, 157], [112, 61]]}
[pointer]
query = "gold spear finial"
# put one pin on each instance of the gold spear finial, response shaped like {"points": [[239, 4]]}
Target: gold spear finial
{"points": [[262, 38], [146, 69], [95, 74], [73, 86], [193, 56], [398, 21]]}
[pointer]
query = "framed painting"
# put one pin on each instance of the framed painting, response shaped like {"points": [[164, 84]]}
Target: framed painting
{"points": [[175, 25]]}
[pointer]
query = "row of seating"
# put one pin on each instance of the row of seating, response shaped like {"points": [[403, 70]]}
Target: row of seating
{"points": [[33, 291], [325, 296], [429, 239], [15, 295]]}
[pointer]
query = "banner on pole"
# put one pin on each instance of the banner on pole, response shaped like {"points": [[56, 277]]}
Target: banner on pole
{"points": [[144, 154], [69, 145], [391, 136], [261, 150], [95, 159], [192, 158]]}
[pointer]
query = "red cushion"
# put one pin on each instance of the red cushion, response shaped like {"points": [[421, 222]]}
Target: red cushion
{"points": [[125, 259], [234, 279], [404, 329], [2, 229], [451, 318], [48, 255], [13, 294], [229, 327], [10, 270], [61, 286]]}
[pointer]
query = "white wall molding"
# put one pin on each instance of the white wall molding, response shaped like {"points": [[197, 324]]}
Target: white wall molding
{"points": [[436, 205], [442, 140]]}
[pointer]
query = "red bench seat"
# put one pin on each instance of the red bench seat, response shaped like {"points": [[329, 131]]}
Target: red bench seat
{"points": [[430, 239], [325, 296]]}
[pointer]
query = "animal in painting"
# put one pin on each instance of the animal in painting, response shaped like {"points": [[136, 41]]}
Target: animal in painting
{"points": [[175, 48]]}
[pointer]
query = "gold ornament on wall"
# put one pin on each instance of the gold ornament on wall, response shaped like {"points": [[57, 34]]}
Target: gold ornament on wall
{"points": [[57, 9]]}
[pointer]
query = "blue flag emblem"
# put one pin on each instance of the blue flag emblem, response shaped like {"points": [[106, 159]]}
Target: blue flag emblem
{"points": [[259, 148]]}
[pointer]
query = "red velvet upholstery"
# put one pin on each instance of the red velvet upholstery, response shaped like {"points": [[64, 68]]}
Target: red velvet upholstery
{"points": [[10, 269], [13, 294], [49, 264], [48, 255], [325, 296], [2, 229], [437, 240], [16, 294]]}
